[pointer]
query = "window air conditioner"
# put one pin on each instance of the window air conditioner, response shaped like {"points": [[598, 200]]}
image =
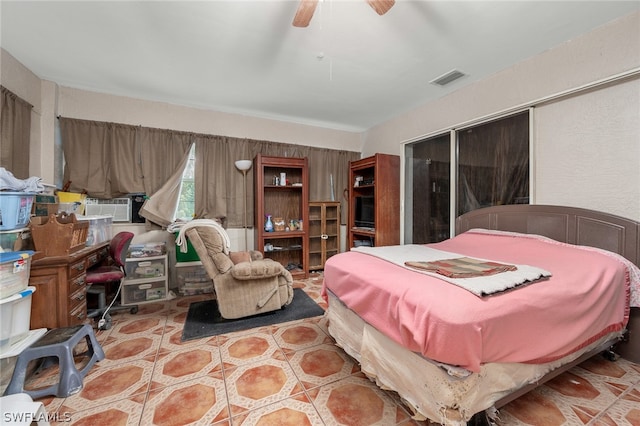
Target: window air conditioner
{"points": [[119, 208]]}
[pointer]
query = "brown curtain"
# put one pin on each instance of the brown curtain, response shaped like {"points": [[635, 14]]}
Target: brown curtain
{"points": [[160, 206], [87, 147], [106, 160], [15, 133], [161, 153], [219, 186]]}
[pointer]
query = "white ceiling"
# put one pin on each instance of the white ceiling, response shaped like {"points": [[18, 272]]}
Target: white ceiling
{"points": [[350, 69]]}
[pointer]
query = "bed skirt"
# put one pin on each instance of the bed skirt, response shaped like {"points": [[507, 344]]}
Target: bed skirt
{"points": [[427, 388]]}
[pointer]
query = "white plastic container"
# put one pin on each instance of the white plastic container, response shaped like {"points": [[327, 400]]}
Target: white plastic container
{"points": [[193, 279], [15, 209], [69, 208], [14, 272], [100, 228], [16, 240], [15, 317]]}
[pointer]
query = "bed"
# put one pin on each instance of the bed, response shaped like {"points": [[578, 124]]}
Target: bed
{"points": [[452, 352]]}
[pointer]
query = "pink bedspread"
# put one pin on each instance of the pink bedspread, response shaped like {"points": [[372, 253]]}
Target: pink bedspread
{"points": [[586, 298]]}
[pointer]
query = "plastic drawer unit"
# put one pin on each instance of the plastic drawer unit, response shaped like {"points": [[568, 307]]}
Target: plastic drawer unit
{"points": [[146, 278], [193, 279]]}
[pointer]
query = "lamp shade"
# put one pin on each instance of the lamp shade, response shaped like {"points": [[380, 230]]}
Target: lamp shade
{"points": [[243, 165]]}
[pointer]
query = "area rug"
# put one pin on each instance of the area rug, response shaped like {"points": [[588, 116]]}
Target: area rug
{"points": [[204, 320]]}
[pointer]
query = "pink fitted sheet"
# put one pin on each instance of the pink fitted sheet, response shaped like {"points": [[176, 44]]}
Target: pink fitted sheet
{"points": [[586, 297]]}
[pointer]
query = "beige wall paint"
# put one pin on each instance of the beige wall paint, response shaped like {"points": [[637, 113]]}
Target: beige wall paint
{"points": [[24, 83], [19, 79], [74, 103], [588, 151], [51, 100], [608, 51]]}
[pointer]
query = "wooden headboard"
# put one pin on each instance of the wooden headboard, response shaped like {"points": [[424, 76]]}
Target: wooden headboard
{"points": [[567, 224]]}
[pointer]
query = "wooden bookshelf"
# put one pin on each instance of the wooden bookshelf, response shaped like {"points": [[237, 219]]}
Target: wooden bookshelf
{"points": [[377, 176]]}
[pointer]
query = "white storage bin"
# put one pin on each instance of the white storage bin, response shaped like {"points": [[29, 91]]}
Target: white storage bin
{"points": [[14, 272], [15, 317], [16, 240], [75, 207], [193, 279], [146, 291], [147, 250], [149, 267], [15, 209], [100, 228]]}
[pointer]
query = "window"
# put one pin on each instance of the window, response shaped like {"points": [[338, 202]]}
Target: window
{"points": [[186, 207], [491, 168]]}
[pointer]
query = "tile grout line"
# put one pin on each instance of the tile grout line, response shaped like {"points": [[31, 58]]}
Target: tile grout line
{"points": [[153, 370], [604, 412]]}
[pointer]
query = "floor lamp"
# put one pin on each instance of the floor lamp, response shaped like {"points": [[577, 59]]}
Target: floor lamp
{"points": [[244, 166]]}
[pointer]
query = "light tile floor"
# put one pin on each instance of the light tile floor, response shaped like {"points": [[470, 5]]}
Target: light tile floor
{"points": [[290, 374]]}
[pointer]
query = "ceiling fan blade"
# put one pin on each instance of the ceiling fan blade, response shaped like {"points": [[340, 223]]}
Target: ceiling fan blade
{"points": [[304, 13], [381, 6]]}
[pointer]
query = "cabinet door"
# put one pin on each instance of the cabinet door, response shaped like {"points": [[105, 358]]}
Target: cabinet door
{"points": [[331, 234], [324, 232], [43, 301], [316, 231]]}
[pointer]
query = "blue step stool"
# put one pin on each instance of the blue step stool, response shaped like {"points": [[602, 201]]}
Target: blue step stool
{"points": [[57, 343]]}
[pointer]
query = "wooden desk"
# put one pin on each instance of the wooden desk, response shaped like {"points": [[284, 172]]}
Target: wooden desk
{"points": [[60, 299]]}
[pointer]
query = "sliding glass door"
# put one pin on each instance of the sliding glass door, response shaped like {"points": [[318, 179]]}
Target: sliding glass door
{"points": [[427, 194], [491, 165]]}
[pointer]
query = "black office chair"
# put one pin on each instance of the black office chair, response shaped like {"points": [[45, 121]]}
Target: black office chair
{"points": [[99, 277]]}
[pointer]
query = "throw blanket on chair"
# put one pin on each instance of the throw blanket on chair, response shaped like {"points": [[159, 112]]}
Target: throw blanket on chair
{"points": [[181, 240], [490, 277]]}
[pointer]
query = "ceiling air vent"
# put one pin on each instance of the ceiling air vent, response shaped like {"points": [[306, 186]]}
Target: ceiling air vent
{"points": [[448, 77]]}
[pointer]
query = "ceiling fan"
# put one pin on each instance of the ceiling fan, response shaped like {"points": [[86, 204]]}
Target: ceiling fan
{"points": [[307, 7]]}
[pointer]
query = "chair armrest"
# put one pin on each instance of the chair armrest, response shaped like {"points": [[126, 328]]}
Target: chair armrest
{"points": [[263, 268], [256, 255]]}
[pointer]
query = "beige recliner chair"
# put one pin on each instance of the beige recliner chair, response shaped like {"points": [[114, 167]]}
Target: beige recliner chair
{"points": [[251, 285]]}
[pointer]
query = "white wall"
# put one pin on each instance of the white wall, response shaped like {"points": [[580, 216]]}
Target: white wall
{"points": [[588, 151], [605, 52], [602, 53]]}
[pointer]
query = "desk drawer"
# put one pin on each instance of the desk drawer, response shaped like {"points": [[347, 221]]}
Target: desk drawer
{"points": [[78, 297], [78, 314], [77, 268], [78, 282], [97, 257]]}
